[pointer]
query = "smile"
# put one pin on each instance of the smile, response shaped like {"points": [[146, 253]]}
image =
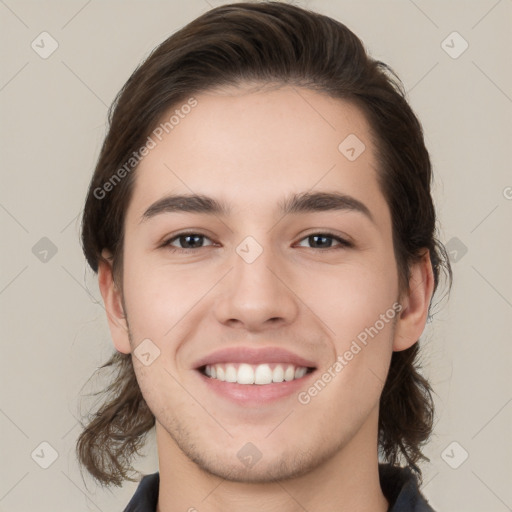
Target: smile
{"points": [[259, 374]]}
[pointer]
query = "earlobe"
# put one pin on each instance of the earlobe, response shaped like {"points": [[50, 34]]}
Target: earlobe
{"points": [[413, 317], [112, 298]]}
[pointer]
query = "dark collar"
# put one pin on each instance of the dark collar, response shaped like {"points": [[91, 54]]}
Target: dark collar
{"points": [[399, 485]]}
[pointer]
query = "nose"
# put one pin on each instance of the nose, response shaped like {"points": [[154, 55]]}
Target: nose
{"points": [[257, 295]]}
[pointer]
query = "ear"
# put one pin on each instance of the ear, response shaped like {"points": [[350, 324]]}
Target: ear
{"points": [[415, 304], [112, 298]]}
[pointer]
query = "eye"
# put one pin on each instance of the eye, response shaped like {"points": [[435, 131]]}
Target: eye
{"points": [[190, 241], [186, 242], [324, 241]]}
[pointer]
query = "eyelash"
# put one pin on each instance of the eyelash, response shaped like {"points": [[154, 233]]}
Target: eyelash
{"points": [[343, 244]]}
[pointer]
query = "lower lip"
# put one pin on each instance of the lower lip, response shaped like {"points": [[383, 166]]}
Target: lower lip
{"points": [[256, 394]]}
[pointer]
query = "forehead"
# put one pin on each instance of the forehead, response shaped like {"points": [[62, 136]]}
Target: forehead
{"points": [[252, 146]]}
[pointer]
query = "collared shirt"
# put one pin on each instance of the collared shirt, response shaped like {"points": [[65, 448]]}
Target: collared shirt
{"points": [[399, 486]]}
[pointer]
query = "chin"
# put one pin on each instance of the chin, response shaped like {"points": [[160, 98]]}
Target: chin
{"points": [[261, 469]]}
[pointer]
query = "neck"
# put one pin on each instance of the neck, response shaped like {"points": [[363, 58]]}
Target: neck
{"points": [[348, 481]]}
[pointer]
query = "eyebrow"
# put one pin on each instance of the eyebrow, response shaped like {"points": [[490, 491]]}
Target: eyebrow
{"points": [[305, 202]]}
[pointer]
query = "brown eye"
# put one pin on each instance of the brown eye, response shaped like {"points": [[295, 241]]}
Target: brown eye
{"points": [[186, 242], [324, 241]]}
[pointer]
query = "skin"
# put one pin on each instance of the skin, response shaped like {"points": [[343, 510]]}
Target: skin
{"points": [[252, 147]]}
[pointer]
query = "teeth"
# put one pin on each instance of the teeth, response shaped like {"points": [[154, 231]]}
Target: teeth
{"points": [[260, 374], [230, 373], [278, 374], [263, 374], [245, 374], [289, 374], [300, 372]]}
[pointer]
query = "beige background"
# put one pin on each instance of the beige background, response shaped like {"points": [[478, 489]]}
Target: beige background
{"points": [[54, 330]]}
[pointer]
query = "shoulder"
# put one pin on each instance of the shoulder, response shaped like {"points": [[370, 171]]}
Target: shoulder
{"points": [[398, 484], [400, 487], [145, 498]]}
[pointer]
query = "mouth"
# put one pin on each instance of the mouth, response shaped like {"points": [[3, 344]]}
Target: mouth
{"points": [[250, 376], [255, 374]]}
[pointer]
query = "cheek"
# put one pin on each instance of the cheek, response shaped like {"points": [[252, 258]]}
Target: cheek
{"points": [[360, 311], [155, 297], [163, 300], [351, 297], [358, 305]]}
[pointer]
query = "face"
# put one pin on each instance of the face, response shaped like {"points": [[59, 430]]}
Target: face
{"points": [[270, 322]]}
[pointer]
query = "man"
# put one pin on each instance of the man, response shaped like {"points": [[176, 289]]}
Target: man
{"points": [[261, 222]]}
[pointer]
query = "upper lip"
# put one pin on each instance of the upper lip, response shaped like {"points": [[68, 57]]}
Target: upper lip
{"points": [[254, 356]]}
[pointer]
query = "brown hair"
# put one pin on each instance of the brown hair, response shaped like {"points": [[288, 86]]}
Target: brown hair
{"points": [[269, 42]]}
